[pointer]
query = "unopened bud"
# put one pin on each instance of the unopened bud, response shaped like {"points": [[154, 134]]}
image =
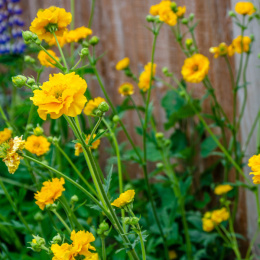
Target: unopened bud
{"points": [[191, 17], [74, 199], [104, 226], [31, 81], [165, 70], [103, 107], [174, 7], [29, 127], [252, 37], [116, 118], [19, 80], [38, 216], [27, 36], [150, 18], [38, 131], [50, 139], [188, 42], [57, 239], [84, 52], [159, 135], [184, 21], [94, 40], [29, 59], [51, 207], [159, 165], [231, 14]]}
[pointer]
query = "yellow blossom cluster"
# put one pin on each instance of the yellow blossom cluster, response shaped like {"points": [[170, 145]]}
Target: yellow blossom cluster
{"points": [[78, 146], [78, 34], [46, 60], [124, 199], [245, 8], [126, 89], [50, 191], [146, 76], [38, 145], [123, 64], [8, 151], [222, 189], [254, 163], [195, 68], [92, 105], [5, 135], [222, 50], [214, 218], [51, 19], [166, 13], [61, 95], [80, 247]]}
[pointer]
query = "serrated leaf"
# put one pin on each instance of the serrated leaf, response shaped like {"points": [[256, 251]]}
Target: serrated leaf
{"points": [[108, 180]]}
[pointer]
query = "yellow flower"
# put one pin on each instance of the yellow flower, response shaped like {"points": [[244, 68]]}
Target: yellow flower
{"points": [[8, 151], [81, 242], [62, 252], [237, 44], [207, 224], [221, 50], [61, 39], [37, 145], [46, 60], [254, 163], [145, 76], [61, 95], [256, 178], [195, 68], [78, 34], [92, 256], [126, 89], [92, 105], [231, 50], [172, 255], [5, 135], [124, 199], [181, 11], [123, 64], [50, 19], [245, 8], [222, 189], [79, 149], [219, 215], [207, 215], [50, 191]]}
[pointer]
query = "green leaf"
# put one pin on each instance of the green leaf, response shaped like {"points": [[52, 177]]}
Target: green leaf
{"points": [[207, 147], [108, 180]]}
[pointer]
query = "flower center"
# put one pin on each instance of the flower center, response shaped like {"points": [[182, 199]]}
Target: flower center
{"points": [[51, 27], [195, 68]]}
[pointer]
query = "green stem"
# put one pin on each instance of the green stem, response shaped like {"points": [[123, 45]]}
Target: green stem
{"points": [[75, 168], [18, 213], [57, 63], [91, 13], [252, 244], [137, 110], [145, 126], [61, 53], [76, 65], [119, 165], [16, 183], [94, 129], [104, 255], [62, 220]]}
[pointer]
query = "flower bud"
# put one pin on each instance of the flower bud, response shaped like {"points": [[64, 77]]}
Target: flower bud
{"points": [[258, 56], [103, 107], [116, 118], [174, 7], [184, 21], [98, 112], [104, 226], [165, 70], [126, 220], [94, 40], [38, 131], [50, 139], [74, 199], [182, 93], [159, 135], [191, 17], [37, 243], [134, 220], [57, 239], [38, 216], [19, 80], [159, 165], [29, 127], [231, 14], [188, 42], [85, 44], [150, 18], [27, 36], [252, 37], [38, 42], [29, 59], [84, 52], [51, 207], [31, 81]]}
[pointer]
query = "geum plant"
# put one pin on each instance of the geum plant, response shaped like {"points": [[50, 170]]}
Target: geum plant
{"points": [[176, 210]]}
